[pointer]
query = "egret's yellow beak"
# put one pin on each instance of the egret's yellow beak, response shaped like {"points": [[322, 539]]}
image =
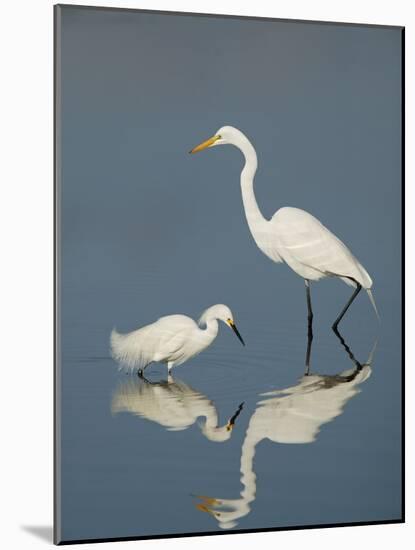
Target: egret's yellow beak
{"points": [[208, 143], [209, 500], [204, 508], [236, 331]]}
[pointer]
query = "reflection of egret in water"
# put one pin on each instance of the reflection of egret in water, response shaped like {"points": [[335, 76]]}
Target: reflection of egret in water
{"points": [[172, 404], [292, 415]]}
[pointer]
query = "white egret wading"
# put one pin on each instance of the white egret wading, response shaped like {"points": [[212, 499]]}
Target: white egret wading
{"points": [[292, 235], [172, 339]]}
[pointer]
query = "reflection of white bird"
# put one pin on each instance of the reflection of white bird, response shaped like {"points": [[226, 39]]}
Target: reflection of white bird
{"points": [[293, 415], [173, 404], [292, 235], [172, 339]]}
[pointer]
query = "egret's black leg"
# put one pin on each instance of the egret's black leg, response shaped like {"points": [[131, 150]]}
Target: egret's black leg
{"points": [[346, 307], [310, 326], [309, 308], [141, 376], [349, 352]]}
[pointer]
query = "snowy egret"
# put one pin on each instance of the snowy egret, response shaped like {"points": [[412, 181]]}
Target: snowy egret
{"points": [[172, 339], [293, 415], [173, 405], [292, 235]]}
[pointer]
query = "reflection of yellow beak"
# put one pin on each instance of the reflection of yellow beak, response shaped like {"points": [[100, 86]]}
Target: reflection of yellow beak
{"points": [[209, 500], [208, 143], [207, 503], [204, 508]]}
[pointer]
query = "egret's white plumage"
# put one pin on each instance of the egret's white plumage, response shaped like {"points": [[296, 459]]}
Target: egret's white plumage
{"points": [[291, 416], [292, 235], [172, 339], [171, 404], [312, 251]]}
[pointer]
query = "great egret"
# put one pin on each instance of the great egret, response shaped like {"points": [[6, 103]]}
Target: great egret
{"points": [[173, 405], [294, 415], [292, 235], [172, 339]]}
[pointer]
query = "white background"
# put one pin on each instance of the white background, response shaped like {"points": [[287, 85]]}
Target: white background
{"points": [[26, 312]]}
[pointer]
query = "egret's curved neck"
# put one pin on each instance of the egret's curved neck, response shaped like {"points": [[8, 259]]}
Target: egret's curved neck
{"points": [[211, 418], [210, 426], [248, 477], [208, 327], [240, 507], [255, 219]]}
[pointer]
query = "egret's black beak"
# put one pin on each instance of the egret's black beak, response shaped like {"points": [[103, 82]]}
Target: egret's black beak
{"points": [[236, 331], [231, 422]]}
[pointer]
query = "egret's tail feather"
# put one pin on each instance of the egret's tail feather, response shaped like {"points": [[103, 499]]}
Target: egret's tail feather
{"points": [[116, 342], [126, 350], [372, 301], [372, 353]]}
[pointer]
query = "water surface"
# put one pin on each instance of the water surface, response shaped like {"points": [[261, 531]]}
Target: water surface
{"points": [[148, 230]]}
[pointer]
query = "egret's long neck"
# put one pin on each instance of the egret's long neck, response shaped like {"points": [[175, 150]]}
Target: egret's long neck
{"points": [[255, 219], [233, 509], [248, 477], [211, 416], [209, 327]]}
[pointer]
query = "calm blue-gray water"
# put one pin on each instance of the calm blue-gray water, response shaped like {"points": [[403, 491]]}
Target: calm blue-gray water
{"points": [[148, 230]]}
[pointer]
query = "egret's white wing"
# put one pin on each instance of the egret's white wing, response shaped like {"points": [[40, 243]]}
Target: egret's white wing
{"points": [[174, 335], [297, 414], [165, 404], [167, 339], [305, 241]]}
